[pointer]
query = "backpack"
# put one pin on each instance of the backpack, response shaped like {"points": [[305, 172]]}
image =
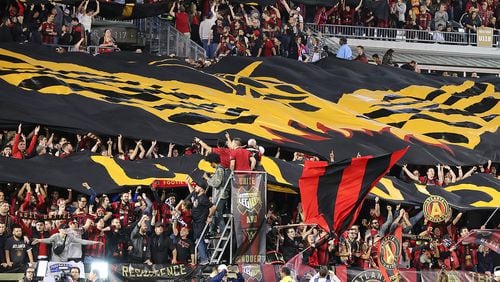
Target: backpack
{"points": [[226, 194]]}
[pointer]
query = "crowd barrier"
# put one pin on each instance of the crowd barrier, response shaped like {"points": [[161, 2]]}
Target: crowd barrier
{"points": [[55, 271], [483, 36]]}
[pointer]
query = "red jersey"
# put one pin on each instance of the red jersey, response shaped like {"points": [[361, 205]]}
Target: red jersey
{"points": [[268, 48], [242, 159], [124, 212], [96, 250], [16, 154], [224, 154], [48, 28], [182, 22]]}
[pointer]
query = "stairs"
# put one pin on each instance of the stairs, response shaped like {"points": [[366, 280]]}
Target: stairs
{"points": [[217, 246], [163, 39]]}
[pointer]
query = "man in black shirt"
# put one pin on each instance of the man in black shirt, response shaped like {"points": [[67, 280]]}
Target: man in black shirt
{"points": [[161, 245], [291, 244], [184, 248], [17, 251], [201, 213], [3, 240], [118, 242]]}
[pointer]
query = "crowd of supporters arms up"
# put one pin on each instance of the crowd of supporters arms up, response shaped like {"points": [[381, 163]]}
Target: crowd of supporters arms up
{"points": [[127, 227]]}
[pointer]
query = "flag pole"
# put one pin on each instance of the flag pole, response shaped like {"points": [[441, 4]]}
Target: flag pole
{"points": [[495, 211]]}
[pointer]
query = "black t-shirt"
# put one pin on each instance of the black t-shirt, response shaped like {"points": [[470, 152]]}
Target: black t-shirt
{"points": [[185, 248], [3, 240], [201, 204], [17, 250], [255, 45], [291, 247], [216, 32], [161, 249]]}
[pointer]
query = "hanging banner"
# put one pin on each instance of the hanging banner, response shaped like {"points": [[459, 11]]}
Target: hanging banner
{"points": [[60, 271], [249, 210], [485, 37], [155, 272]]}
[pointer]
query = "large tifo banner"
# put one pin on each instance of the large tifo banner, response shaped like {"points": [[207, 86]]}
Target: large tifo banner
{"points": [[249, 210], [156, 272]]}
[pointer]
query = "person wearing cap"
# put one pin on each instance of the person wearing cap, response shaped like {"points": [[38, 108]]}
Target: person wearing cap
{"points": [[161, 245], [255, 43], [66, 239], [40, 251], [201, 213]]}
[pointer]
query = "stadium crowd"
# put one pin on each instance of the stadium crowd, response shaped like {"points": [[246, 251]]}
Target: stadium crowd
{"points": [[225, 29], [153, 226]]}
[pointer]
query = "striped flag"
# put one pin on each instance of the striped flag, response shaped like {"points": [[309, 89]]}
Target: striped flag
{"points": [[332, 194]]}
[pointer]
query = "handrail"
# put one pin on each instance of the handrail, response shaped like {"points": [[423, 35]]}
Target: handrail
{"points": [[87, 49], [400, 35], [202, 236], [164, 39]]}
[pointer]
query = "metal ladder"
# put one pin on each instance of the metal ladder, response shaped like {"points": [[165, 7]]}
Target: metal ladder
{"points": [[225, 238], [220, 244]]}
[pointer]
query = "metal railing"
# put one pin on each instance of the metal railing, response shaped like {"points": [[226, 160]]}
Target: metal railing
{"points": [[164, 39], [400, 35], [207, 225], [91, 49]]}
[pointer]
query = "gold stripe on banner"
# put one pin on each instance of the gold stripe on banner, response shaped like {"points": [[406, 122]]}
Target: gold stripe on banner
{"points": [[280, 189], [492, 192], [393, 192], [120, 177], [127, 10]]}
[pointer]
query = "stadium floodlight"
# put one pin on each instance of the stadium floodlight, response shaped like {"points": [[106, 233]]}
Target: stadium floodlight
{"points": [[101, 268]]}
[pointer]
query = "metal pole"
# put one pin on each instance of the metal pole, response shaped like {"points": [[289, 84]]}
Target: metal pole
{"points": [[495, 211]]}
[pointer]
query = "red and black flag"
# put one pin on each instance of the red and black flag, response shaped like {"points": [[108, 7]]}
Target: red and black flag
{"points": [[487, 237], [332, 194], [389, 253]]}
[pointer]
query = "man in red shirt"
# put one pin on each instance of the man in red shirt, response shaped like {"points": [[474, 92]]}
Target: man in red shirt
{"points": [[241, 159], [267, 49], [19, 146], [124, 210], [181, 19], [48, 30], [98, 233], [222, 150]]}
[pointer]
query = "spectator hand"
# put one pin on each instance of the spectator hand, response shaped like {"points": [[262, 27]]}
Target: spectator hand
{"points": [[37, 129], [19, 128]]}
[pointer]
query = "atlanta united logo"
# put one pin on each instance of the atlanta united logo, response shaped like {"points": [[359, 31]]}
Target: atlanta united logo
{"points": [[252, 272], [369, 276], [436, 209], [390, 250]]}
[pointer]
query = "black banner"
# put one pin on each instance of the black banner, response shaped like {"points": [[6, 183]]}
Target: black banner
{"points": [[156, 272], [249, 208], [157, 96]]}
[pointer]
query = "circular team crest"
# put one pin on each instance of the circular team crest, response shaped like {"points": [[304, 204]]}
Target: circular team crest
{"points": [[390, 250], [436, 209], [369, 276]]}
